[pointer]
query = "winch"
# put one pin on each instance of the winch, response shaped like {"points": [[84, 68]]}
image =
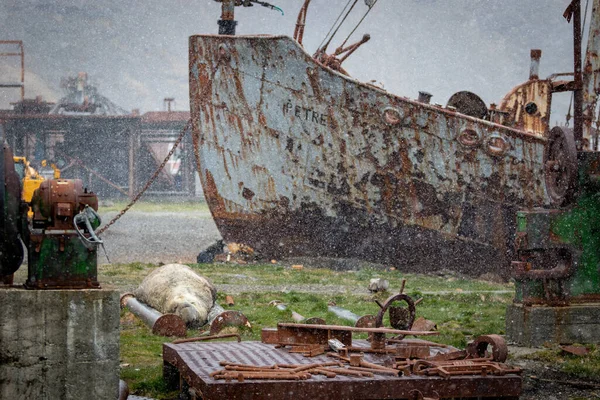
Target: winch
{"points": [[60, 239]]}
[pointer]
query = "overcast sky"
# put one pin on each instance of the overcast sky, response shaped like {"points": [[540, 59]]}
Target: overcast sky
{"points": [[135, 51]]}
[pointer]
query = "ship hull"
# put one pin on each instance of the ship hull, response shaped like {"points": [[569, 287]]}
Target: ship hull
{"points": [[299, 160]]}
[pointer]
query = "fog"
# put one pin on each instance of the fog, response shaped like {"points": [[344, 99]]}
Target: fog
{"points": [[136, 51]]}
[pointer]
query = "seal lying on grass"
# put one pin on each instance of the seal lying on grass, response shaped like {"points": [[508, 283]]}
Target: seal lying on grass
{"points": [[177, 289]]}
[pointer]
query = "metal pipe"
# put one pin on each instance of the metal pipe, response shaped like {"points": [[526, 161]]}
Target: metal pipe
{"points": [[424, 97], [227, 22], [123, 390], [578, 92], [161, 324], [22, 71], [343, 313], [214, 312], [295, 316], [218, 319], [534, 68]]}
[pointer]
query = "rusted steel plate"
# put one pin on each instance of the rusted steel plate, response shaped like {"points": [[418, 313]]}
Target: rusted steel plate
{"points": [[591, 79], [296, 159], [195, 362]]}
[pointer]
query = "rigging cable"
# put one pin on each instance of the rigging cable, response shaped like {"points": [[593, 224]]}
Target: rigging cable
{"points": [[322, 49], [333, 26], [568, 116], [584, 17], [359, 22]]}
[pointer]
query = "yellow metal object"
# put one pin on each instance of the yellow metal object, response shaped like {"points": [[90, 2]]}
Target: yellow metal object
{"points": [[56, 171], [31, 178]]}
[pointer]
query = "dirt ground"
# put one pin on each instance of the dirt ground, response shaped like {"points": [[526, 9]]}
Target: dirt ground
{"points": [[153, 237]]}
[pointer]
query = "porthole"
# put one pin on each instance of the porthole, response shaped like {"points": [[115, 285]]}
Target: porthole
{"points": [[531, 108], [391, 116], [497, 145], [468, 138]]}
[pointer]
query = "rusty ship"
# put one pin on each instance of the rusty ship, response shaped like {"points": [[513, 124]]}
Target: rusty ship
{"points": [[297, 158]]}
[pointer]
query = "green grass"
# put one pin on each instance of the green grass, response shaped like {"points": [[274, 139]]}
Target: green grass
{"points": [[141, 359], [580, 367], [460, 315], [281, 275], [127, 275]]}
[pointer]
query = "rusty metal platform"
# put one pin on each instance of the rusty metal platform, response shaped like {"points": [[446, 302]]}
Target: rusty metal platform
{"points": [[190, 365]]}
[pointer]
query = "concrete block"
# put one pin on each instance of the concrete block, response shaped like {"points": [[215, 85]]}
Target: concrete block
{"points": [[59, 344], [533, 326]]}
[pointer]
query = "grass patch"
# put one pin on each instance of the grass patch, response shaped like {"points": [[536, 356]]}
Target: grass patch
{"points": [[462, 309], [141, 359], [126, 276], [283, 275], [581, 367]]}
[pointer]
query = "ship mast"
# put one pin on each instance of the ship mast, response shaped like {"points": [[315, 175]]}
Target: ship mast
{"points": [[227, 22], [591, 79], [574, 12]]}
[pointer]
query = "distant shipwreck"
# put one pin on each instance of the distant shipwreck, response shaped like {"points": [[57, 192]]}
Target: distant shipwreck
{"points": [[298, 158]]}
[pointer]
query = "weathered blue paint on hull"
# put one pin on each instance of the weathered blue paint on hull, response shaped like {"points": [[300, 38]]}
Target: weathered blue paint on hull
{"points": [[296, 159]]}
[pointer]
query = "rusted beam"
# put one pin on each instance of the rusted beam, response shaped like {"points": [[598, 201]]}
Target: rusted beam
{"points": [[578, 79], [207, 338], [355, 329]]}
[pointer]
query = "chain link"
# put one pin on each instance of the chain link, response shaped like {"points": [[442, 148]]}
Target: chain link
{"points": [[150, 181]]}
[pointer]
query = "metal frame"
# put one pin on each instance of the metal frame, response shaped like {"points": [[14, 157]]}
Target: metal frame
{"points": [[21, 54]]}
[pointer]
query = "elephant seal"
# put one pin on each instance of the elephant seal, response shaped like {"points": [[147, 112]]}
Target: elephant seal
{"points": [[177, 289]]}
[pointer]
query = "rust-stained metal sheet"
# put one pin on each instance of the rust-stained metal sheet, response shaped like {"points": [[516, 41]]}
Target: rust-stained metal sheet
{"points": [[297, 159], [196, 361]]}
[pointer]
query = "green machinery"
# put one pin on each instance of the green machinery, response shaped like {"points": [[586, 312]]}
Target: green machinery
{"points": [[559, 250], [557, 270], [60, 239], [557, 274]]}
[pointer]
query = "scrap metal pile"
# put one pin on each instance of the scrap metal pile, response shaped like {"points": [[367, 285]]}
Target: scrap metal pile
{"points": [[315, 358], [409, 357], [403, 357]]}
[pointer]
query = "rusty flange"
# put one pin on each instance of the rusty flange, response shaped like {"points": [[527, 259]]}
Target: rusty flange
{"points": [[124, 298], [560, 163], [228, 318], [478, 348], [400, 317], [169, 325], [366, 321]]}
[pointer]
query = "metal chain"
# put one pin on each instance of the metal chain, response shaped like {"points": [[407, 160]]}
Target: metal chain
{"points": [[150, 181]]}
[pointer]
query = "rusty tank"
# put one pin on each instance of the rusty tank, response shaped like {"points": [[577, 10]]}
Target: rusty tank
{"points": [[296, 158]]}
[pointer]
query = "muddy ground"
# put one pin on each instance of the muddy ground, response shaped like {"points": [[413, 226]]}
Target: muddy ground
{"points": [[154, 237]]}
